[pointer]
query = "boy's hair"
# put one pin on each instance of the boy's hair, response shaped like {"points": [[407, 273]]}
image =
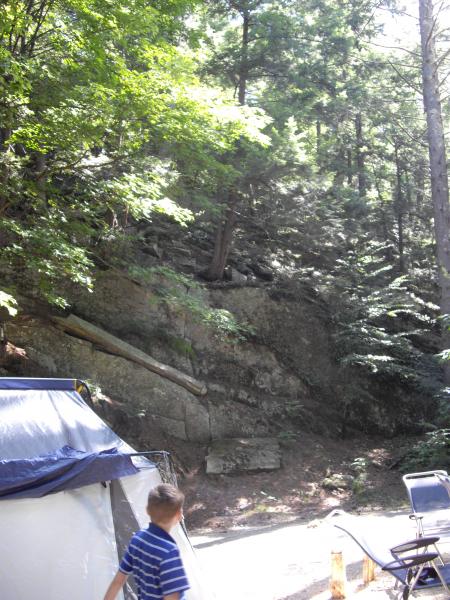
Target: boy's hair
{"points": [[164, 501]]}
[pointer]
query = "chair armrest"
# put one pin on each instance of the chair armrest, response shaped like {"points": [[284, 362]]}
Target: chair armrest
{"points": [[415, 544], [407, 562]]}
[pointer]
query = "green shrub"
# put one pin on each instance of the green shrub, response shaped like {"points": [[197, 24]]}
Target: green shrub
{"points": [[181, 293], [433, 452]]}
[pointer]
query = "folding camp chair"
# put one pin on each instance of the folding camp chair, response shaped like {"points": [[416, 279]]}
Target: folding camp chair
{"points": [[411, 563], [429, 495], [422, 567]]}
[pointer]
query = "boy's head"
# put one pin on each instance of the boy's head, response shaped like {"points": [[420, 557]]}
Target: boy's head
{"points": [[165, 503]]}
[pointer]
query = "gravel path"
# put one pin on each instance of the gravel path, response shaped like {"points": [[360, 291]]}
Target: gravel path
{"points": [[292, 562]]}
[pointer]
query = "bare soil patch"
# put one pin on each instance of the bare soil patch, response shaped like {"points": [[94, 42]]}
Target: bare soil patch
{"points": [[296, 491]]}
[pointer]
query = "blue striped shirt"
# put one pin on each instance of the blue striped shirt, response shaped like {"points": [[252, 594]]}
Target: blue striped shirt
{"points": [[154, 559]]}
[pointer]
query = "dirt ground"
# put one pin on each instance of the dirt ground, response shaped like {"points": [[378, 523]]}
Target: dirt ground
{"points": [[293, 561], [296, 491], [265, 536]]}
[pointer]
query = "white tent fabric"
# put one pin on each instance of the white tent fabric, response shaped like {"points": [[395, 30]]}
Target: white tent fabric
{"points": [[59, 546], [63, 545], [34, 422]]}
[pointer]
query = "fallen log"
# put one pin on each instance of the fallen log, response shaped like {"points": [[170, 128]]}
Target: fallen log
{"points": [[85, 330]]}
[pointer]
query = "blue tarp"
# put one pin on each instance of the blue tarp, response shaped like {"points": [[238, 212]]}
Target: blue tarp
{"points": [[25, 383], [63, 469]]}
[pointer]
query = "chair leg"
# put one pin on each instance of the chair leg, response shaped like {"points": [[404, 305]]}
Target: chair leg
{"points": [[439, 555], [415, 578], [444, 583]]}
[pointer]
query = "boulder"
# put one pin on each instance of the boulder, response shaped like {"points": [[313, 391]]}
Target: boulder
{"points": [[337, 481], [243, 454], [232, 274], [262, 271]]}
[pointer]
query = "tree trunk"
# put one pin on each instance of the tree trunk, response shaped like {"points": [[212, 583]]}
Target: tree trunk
{"points": [[438, 161], [360, 163], [419, 182], [349, 167], [243, 66], [225, 229], [85, 330], [318, 138], [419, 196], [399, 211], [5, 134], [222, 244]]}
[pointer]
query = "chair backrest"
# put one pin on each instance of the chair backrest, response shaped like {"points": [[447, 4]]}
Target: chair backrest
{"points": [[426, 492], [369, 543]]}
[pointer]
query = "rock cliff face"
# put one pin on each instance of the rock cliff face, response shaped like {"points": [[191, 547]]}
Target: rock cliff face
{"points": [[281, 380], [54, 353], [253, 386]]}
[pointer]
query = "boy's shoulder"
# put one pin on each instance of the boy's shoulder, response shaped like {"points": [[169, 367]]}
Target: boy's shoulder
{"points": [[157, 538]]}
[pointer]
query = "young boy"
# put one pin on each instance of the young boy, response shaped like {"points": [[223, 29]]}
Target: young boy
{"points": [[152, 555]]}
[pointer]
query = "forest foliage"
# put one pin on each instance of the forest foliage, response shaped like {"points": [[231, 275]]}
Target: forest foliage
{"points": [[284, 124]]}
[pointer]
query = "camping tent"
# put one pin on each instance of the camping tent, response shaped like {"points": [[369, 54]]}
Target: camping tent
{"points": [[71, 496]]}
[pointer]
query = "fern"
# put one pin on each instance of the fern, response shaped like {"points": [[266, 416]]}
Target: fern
{"points": [[382, 319]]}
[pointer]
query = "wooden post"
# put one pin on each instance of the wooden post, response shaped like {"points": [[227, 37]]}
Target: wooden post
{"points": [[368, 570], [338, 578]]}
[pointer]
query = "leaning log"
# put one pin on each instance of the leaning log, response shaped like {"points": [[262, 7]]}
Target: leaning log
{"points": [[85, 330]]}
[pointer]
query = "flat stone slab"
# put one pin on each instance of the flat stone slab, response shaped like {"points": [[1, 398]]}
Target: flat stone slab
{"points": [[243, 454]]}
